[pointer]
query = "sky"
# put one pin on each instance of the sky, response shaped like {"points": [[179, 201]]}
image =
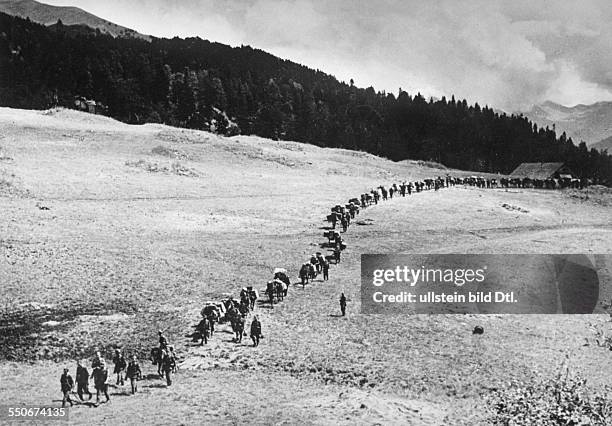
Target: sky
{"points": [[508, 54]]}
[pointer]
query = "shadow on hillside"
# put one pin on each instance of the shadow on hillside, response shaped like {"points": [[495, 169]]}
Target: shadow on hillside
{"points": [[151, 376], [123, 393], [157, 385]]}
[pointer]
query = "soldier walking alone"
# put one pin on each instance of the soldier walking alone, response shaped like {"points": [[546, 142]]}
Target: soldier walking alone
{"points": [[343, 304]]}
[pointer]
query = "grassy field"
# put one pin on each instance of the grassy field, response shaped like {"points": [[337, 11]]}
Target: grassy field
{"points": [[110, 232]]}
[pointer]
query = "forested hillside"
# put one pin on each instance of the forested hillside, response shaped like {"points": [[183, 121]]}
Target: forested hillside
{"points": [[199, 84]]}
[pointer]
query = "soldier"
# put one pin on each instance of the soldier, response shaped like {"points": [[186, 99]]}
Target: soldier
{"points": [[173, 357], [100, 375], [337, 237], [212, 317], [339, 242], [255, 331], [315, 262], [325, 270], [337, 252], [320, 261], [244, 296], [120, 365], [238, 327], [133, 373], [344, 224], [203, 328], [97, 361], [270, 291], [343, 304], [82, 379], [243, 308], [163, 342], [66, 384], [253, 296], [169, 365]]}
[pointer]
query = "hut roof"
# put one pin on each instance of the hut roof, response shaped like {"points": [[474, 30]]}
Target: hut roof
{"points": [[536, 170]]}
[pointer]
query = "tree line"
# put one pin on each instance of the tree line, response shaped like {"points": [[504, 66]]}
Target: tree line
{"points": [[199, 84]]}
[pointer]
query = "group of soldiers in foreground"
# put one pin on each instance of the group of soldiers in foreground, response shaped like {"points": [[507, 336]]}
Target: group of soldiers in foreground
{"points": [[123, 369], [100, 377]]}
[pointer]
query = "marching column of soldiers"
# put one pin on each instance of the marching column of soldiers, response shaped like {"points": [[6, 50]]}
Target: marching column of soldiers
{"points": [[344, 215], [165, 356]]}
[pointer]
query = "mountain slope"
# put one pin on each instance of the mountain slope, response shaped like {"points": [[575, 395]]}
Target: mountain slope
{"points": [[604, 144], [588, 123], [48, 15]]}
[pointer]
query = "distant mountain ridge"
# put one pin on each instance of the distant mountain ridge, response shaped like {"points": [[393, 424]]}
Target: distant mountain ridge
{"points": [[588, 123], [604, 144], [73, 16]]}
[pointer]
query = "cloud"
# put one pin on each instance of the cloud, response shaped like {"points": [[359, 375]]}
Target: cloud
{"points": [[507, 54], [569, 89]]}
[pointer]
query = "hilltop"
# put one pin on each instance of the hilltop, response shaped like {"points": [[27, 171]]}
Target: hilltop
{"points": [[48, 15]]}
